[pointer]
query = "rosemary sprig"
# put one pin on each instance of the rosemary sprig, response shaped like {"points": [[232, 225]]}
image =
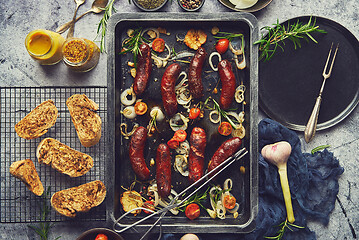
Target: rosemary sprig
{"points": [[276, 35], [133, 44], [196, 198], [282, 228], [102, 26], [319, 148], [221, 111], [44, 227], [229, 36]]}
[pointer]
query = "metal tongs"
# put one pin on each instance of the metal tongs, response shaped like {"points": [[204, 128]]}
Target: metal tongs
{"points": [[174, 203]]}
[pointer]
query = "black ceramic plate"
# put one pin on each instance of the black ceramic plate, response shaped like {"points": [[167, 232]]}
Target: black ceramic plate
{"points": [[256, 7], [289, 83]]}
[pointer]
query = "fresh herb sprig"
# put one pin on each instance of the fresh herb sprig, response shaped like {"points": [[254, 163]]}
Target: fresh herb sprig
{"points": [[102, 26], [319, 148], [196, 198], [229, 36], [276, 35], [282, 228], [133, 44], [220, 111], [44, 227]]}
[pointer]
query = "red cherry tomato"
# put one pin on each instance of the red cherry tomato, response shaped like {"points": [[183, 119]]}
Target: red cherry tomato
{"points": [[229, 202], [180, 135], [192, 211], [222, 45], [194, 113], [101, 236], [149, 205], [158, 45], [225, 128], [173, 143]]}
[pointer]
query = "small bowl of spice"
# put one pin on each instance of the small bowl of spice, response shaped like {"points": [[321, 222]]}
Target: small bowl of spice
{"points": [[80, 54], [190, 5], [149, 5]]}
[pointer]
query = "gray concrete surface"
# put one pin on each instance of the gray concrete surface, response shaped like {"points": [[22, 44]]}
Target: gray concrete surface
{"points": [[17, 18]]}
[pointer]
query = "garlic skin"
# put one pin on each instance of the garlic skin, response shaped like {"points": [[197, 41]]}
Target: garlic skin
{"points": [[189, 236], [243, 4]]}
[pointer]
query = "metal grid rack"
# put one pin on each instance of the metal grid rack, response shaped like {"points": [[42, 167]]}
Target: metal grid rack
{"points": [[17, 203]]}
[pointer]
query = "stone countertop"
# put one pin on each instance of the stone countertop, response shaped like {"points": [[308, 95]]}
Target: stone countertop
{"points": [[18, 69]]}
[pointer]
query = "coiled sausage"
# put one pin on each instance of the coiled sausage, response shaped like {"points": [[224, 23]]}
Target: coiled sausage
{"points": [[163, 170], [196, 154], [228, 81], [137, 145], [195, 73], [168, 88], [143, 69]]}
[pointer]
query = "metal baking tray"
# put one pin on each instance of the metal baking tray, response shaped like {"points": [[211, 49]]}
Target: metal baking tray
{"points": [[119, 78]]}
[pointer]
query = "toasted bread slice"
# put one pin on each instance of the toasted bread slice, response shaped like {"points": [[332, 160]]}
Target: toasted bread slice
{"points": [[25, 171], [38, 121], [63, 158], [70, 201], [87, 122]]}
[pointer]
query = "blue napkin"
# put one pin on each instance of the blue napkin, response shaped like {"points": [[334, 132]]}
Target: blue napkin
{"points": [[313, 181]]}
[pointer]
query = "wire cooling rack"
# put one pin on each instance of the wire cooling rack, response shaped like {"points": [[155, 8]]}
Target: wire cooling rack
{"points": [[17, 203]]}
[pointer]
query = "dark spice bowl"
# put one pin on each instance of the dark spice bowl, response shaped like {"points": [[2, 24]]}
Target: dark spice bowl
{"points": [[92, 233], [190, 5], [145, 5]]}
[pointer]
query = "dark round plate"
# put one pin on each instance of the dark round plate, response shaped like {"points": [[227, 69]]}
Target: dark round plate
{"points": [[290, 82], [256, 7]]}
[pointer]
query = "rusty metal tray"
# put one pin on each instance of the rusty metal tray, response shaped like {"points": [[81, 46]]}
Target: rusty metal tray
{"points": [[119, 78]]}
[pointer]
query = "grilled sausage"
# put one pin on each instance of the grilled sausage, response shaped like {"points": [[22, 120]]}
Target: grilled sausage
{"points": [[168, 88], [137, 145], [194, 73], [196, 154], [228, 81], [163, 170], [143, 69], [227, 149]]}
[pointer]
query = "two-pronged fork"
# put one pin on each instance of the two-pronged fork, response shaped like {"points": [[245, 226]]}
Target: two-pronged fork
{"points": [[310, 129]]}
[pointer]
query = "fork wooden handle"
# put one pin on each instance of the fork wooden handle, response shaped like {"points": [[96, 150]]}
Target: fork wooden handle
{"points": [[311, 127]]}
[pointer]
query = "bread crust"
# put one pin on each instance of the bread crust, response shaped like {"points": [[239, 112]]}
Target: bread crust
{"points": [[69, 202], [25, 171], [63, 158], [38, 121], [86, 121]]}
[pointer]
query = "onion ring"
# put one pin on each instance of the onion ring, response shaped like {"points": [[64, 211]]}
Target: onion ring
{"points": [[128, 92], [210, 60]]}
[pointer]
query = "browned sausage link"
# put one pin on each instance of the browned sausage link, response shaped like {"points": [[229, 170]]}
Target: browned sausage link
{"points": [[196, 154], [168, 88], [163, 170], [143, 69], [228, 81], [137, 145], [195, 73], [227, 149]]}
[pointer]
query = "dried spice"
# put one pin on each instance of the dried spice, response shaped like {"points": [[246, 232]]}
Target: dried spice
{"points": [[150, 4], [75, 51], [191, 4]]}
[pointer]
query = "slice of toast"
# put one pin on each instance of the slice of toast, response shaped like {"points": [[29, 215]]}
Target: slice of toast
{"points": [[70, 201], [25, 171], [38, 121], [63, 158], [86, 121]]}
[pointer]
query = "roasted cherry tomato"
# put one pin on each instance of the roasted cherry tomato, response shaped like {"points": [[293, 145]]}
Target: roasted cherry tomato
{"points": [[222, 45], [158, 45], [101, 236], [140, 108], [225, 128], [229, 201], [194, 113], [192, 211], [149, 205], [173, 143], [180, 135]]}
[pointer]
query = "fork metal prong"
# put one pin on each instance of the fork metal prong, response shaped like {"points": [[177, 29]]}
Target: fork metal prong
{"points": [[325, 74]]}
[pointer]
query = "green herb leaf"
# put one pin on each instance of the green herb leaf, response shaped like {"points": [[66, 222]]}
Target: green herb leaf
{"points": [[102, 26], [319, 148]]}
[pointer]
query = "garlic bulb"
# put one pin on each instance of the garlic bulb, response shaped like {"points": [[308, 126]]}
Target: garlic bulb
{"points": [[189, 236]]}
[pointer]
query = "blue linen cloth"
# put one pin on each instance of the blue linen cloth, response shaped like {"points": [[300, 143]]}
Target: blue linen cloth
{"points": [[313, 181]]}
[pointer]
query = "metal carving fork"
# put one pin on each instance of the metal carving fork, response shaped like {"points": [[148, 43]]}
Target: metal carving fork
{"points": [[175, 203], [311, 127]]}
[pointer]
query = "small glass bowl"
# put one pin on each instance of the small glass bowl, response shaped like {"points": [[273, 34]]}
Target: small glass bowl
{"points": [[182, 4], [149, 9]]}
